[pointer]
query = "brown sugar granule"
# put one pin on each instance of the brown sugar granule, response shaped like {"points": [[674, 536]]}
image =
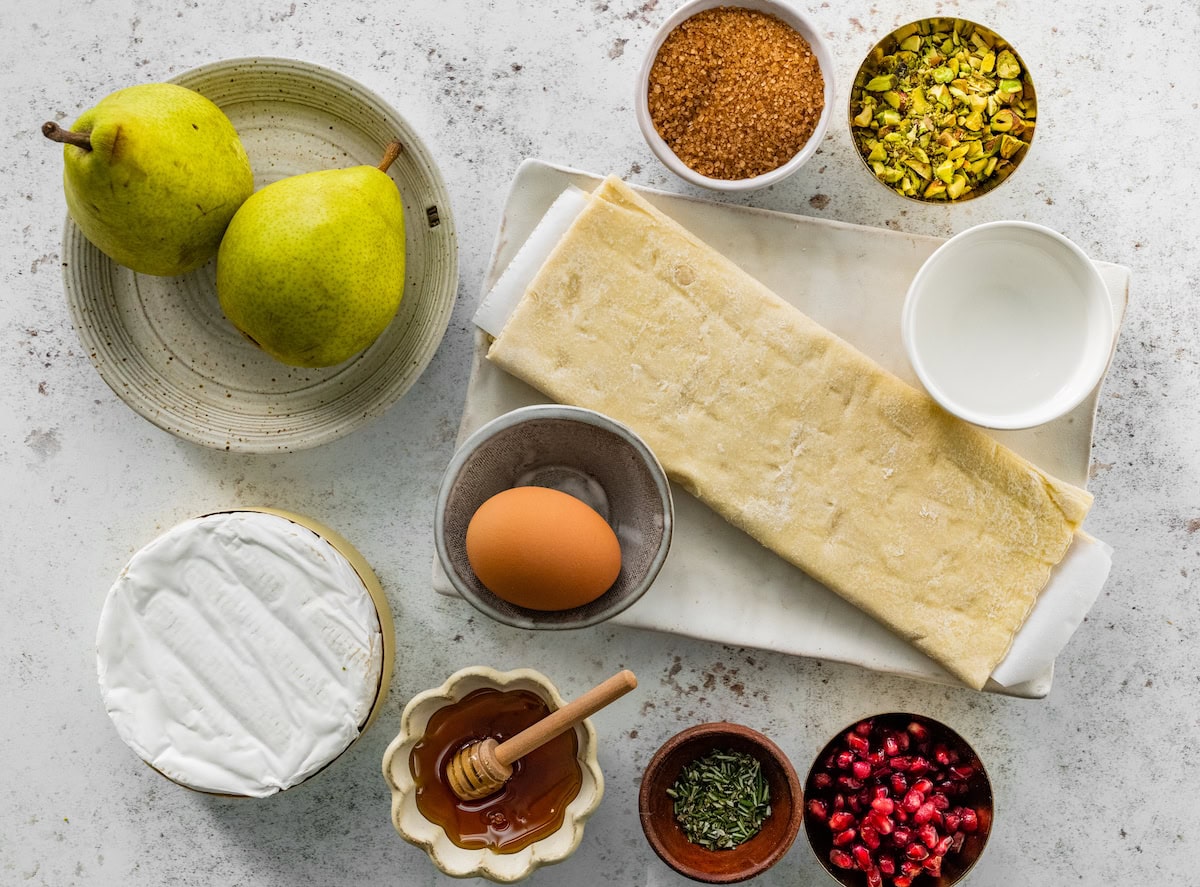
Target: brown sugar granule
{"points": [[735, 93]]}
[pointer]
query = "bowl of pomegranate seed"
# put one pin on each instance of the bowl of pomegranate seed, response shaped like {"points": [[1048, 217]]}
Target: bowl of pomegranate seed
{"points": [[898, 800]]}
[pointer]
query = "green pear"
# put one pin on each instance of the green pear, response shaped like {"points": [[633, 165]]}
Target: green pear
{"points": [[153, 174], [311, 268]]}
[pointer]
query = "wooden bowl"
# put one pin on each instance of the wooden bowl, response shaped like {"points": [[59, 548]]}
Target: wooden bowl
{"points": [[747, 859], [955, 866]]}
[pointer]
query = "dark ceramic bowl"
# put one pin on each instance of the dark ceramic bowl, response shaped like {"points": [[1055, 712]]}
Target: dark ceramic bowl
{"points": [[978, 796], [746, 860]]}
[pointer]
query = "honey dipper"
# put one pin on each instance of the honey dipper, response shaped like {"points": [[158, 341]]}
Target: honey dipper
{"points": [[479, 769]]}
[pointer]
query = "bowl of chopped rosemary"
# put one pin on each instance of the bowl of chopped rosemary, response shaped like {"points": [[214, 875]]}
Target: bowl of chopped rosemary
{"points": [[942, 110], [720, 803]]}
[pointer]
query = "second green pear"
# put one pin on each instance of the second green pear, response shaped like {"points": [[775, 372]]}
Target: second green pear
{"points": [[311, 268]]}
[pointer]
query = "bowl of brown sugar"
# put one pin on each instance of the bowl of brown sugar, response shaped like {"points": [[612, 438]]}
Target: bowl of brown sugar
{"points": [[735, 96]]}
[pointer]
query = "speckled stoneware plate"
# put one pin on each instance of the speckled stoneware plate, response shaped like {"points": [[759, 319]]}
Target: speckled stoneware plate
{"points": [[162, 343]]}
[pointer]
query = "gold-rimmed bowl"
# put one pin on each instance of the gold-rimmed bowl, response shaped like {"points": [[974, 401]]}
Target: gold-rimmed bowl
{"points": [[915, 736], [940, 91]]}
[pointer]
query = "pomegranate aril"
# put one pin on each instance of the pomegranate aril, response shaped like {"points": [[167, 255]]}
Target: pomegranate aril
{"points": [[924, 786], [883, 805], [818, 808], [916, 851], [890, 746], [862, 770], [902, 881], [870, 836], [887, 865], [874, 877], [933, 866], [912, 801], [970, 820], [841, 821], [862, 856], [845, 760], [900, 763], [839, 802], [943, 846], [841, 859], [924, 813], [883, 824], [928, 835], [849, 782], [910, 867], [939, 801], [841, 839], [858, 744], [943, 755], [902, 837], [822, 781], [918, 731], [863, 728], [962, 772], [899, 784], [919, 765], [951, 822]]}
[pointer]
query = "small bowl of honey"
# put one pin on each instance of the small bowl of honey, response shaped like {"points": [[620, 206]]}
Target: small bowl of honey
{"points": [[536, 818], [720, 803]]}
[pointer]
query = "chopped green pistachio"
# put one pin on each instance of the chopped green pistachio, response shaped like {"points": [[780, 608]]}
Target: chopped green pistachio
{"points": [[1009, 146], [942, 109], [1007, 65], [1003, 120]]}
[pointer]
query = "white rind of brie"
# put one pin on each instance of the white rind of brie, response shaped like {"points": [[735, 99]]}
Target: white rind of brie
{"points": [[239, 653]]}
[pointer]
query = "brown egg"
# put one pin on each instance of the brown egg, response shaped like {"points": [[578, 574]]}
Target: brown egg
{"points": [[542, 549]]}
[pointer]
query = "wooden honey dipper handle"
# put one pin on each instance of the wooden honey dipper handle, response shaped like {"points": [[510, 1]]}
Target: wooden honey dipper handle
{"points": [[536, 735], [482, 768]]}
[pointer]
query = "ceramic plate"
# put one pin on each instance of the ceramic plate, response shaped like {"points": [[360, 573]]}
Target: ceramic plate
{"points": [[718, 583], [162, 343]]}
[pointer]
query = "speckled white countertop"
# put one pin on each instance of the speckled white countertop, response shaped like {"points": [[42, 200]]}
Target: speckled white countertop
{"points": [[1098, 783]]}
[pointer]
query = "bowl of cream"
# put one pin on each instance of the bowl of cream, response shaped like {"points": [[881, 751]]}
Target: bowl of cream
{"points": [[1008, 325]]}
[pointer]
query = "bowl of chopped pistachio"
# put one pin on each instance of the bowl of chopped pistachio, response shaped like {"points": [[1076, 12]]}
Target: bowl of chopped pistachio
{"points": [[942, 110], [720, 803]]}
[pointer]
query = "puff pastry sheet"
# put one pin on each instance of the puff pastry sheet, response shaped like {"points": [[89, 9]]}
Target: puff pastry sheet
{"points": [[791, 434]]}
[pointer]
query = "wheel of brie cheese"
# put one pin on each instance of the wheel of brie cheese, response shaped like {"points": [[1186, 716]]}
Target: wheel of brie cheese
{"points": [[241, 652]]}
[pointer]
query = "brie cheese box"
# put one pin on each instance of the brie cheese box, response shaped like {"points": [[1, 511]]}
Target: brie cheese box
{"points": [[241, 652]]}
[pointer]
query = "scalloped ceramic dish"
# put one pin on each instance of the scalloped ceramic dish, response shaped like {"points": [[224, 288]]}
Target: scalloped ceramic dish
{"points": [[162, 343], [447, 856]]}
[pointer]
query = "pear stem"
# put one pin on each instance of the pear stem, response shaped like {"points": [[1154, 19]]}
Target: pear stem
{"points": [[390, 153], [56, 133]]}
